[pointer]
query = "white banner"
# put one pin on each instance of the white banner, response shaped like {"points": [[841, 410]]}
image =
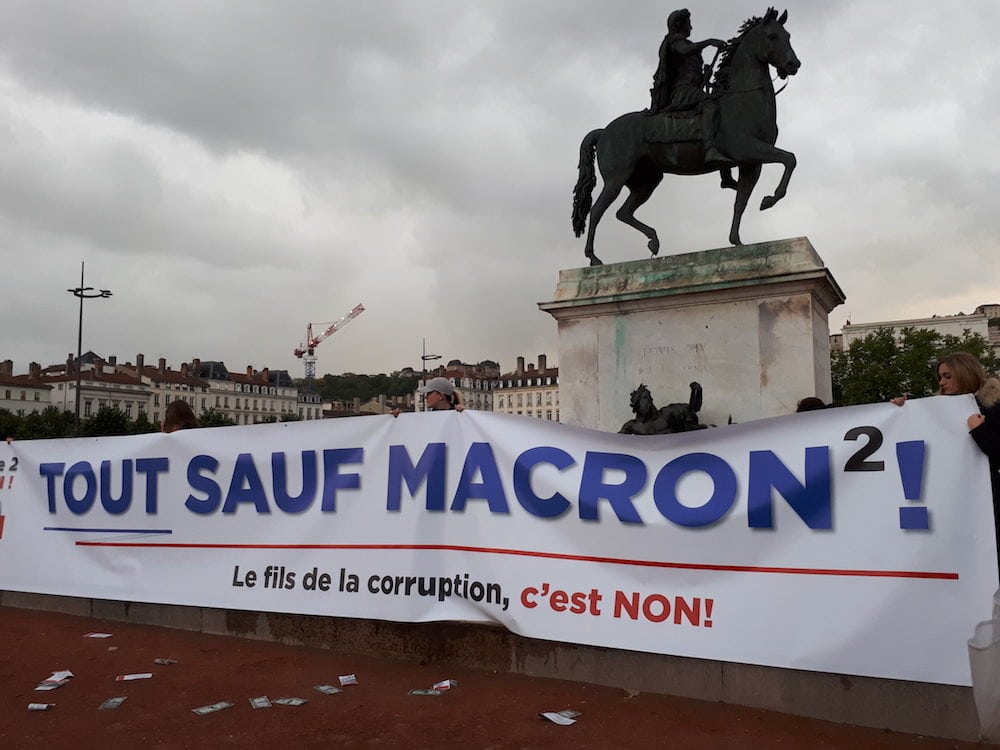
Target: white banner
{"points": [[857, 540]]}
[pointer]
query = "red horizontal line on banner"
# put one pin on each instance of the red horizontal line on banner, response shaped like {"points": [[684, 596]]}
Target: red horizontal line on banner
{"points": [[552, 556]]}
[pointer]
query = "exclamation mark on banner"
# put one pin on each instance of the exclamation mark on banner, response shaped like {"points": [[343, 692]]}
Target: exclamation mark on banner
{"points": [[709, 604], [1, 523], [910, 455]]}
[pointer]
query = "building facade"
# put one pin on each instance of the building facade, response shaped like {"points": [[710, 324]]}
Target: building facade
{"points": [[531, 391], [254, 395], [21, 394], [985, 321], [245, 398]]}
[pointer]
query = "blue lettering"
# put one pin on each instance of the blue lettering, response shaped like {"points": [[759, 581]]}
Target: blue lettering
{"points": [[279, 472], [82, 469], [200, 483], [152, 468], [811, 500], [548, 507], [333, 480], [245, 486], [480, 459], [51, 471], [714, 509], [120, 504], [593, 489], [431, 467]]}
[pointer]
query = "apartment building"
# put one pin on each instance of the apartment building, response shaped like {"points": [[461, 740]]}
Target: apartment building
{"points": [[984, 320], [531, 391], [21, 394]]}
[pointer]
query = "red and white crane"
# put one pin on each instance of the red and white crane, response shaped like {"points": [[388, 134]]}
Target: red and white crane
{"points": [[307, 350]]}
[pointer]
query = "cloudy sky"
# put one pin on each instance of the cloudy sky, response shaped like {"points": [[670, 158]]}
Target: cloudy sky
{"points": [[233, 170]]}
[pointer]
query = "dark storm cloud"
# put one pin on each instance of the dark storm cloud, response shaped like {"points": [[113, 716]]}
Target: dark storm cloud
{"points": [[237, 169]]}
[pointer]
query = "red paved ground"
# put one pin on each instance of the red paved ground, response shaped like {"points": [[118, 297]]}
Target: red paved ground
{"points": [[485, 711]]}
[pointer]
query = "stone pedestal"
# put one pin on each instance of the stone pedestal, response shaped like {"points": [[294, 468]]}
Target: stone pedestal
{"points": [[749, 323]]}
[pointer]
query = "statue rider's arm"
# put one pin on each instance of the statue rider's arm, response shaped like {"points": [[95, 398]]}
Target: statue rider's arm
{"points": [[684, 47]]}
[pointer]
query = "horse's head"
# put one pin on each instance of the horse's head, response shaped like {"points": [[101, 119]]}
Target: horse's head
{"points": [[641, 401], [764, 39], [775, 44]]}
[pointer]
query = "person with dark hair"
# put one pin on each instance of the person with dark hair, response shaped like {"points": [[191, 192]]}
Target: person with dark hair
{"points": [[810, 403], [178, 416]]}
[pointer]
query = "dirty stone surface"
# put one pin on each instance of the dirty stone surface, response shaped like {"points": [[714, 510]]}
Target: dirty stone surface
{"points": [[484, 710]]}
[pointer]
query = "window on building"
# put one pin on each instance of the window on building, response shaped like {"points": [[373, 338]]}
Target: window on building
{"points": [[156, 399], [24, 396], [538, 399], [38, 396], [86, 408]]}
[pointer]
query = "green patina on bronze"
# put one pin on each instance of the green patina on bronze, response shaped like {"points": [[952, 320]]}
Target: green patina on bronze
{"points": [[723, 268]]}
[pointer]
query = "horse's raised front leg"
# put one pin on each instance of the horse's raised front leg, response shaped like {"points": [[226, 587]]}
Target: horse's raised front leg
{"points": [[608, 194], [641, 186], [749, 174], [763, 152], [787, 158]]}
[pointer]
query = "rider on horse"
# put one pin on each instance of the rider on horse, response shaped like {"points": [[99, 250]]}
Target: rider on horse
{"points": [[679, 81]]}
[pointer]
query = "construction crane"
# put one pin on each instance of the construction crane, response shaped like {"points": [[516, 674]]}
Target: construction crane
{"points": [[307, 351]]}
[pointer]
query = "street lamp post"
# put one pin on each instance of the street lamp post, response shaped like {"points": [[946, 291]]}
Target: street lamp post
{"points": [[425, 358], [82, 292]]}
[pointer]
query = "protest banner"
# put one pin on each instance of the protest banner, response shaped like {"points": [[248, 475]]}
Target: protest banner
{"points": [[857, 540]]}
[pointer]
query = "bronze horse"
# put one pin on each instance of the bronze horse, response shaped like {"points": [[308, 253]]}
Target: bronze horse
{"points": [[629, 156]]}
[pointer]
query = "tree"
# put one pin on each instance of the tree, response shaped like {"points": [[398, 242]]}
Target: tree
{"points": [[214, 418], [879, 367], [141, 425], [365, 387], [109, 420]]}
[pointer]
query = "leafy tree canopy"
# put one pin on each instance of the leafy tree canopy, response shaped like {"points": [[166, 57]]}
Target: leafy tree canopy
{"points": [[214, 418], [347, 387], [879, 366], [109, 420]]}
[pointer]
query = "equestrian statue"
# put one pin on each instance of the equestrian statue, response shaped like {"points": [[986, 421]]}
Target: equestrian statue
{"points": [[696, 124]]}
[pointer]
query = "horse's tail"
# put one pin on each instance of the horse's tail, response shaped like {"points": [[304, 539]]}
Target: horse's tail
{"points": [[586, 182]]}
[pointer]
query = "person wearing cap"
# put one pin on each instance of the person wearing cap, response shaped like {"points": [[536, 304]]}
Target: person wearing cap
{"points": [[439, 395]]}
